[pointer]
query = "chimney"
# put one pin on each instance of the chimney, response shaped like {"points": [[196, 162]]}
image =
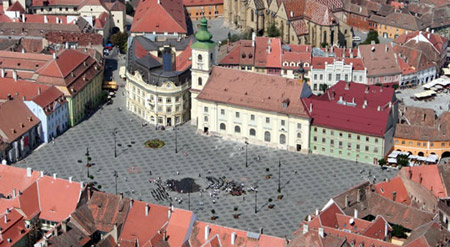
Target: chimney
{"points": [[305, 228], [358, 195], [347, 85], [23, 18], [23, 50], [54, 55], [390, 104], [253, 38], [365, 103], [54, 175], [420, 178], [292, 13], [121, 196], [317, 211], [394, 195], [3, 72], [386, 48], [310, 107], [15, 75], [55, 231], [82, 184], [67, 45], [6, 219], [131, 203], [159, 1], [39, 90], [432, 30], [207, 232], [309, 218], [268, 49], [147, 208], [64, 225], [341, 98], [29, 171], [386, 227], [70, 179], [14, 193], [427, 29], [57, 19], [45, 19], [428, 35], [355, 213], [321, 232], [42, 174], [169, 213], [379, 108], [346, 201], [233, 238]]}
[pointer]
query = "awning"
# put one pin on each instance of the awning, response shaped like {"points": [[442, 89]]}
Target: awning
{"points": [[432, 158], [420, 158], [394, 154], [392, 160], [413, 157], [425, 94]]}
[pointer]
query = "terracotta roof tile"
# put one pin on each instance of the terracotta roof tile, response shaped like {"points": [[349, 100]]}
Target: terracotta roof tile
{"points": [[168, 16], [55, 2], [19, 89], [15, 120], [379, 60], [300, 27], [429, 177], [107, 210], [14, 230], [396, 185], [17, 7], [202, 2], [239, 88]]}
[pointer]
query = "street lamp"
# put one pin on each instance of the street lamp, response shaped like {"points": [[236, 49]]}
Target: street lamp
{"points": [[246, 154], [279, 176], [115, 178], [176, 138], [114, 132], [256, 202]]}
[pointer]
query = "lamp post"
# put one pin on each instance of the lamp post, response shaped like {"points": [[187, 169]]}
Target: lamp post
{"points": [[176, 138], [256, 202], [246, 154], [279, 176], [115, 179], [114, 132], [87, 161]]}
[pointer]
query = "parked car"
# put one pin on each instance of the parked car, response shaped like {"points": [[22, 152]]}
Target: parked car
{"points": [[109, 46]]}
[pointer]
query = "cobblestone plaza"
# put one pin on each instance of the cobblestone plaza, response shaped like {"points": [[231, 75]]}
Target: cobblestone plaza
{"points": [[307, 181]]}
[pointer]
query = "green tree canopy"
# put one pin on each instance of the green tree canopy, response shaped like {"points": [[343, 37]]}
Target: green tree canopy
{"points": [[372, 35], [273, 31], [120, 40]]}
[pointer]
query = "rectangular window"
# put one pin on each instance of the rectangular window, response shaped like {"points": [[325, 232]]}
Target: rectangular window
{"points": [[159, 99], [315, 138], [282, 122], [338, 77], [332, 142], [367, 148], [349, 145], [205, 109], [169, 100], [358, 137], [324, 131], [329, 77], [177, 99], [299, 125], [349, 135], [332, 132], [367, 139], [321, 77], [375, 150], [237, 114], [376, 140], [252, 117], [222, 111], [357, 146], [315, 129], [340, 144], [323, 140], [346, 77], [340, 134], [267, 120], [315, 76], [443, 144], [169, 109], [418, 144]]}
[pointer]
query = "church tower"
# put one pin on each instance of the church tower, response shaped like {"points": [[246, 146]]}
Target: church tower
{"points": [[203, 58]]}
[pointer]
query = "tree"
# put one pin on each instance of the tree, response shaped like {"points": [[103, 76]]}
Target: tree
{"points": [[399, 231], [402, 160], [273, 31], [381, 162], [372, 35], [323, 44], [323, 87], [120, 40], [129, 9]]}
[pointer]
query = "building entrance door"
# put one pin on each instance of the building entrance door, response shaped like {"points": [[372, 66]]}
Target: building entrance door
{"points": [[169, 121], [299, 147]]}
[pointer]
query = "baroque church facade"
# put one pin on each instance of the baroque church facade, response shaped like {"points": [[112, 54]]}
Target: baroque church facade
{"points": [[312, 22]]}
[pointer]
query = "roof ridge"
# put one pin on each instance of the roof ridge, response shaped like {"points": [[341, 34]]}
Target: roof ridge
{"points": [[170, 14]]}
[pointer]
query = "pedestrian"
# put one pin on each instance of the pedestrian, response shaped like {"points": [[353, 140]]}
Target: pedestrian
{"points": [[295, 172], [150, 173], [199, 175], [178, 173]]}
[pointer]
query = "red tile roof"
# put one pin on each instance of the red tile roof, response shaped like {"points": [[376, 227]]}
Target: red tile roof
{"points": [[429, 177], [19, 89], [16, 6], [108, 210], [396, 185], [179, 227], [165, 16], [29, 201], [222, 235], [140, 227], [55, 2], [183, 60], [300, 27], [100, 22], [14, 230], [58, 198], [202, 2], [357, 119], [296, 57], [83, 39], [255, 90], [265, 56], [115, 6], [55, 19], [22, 61], [379, 60], [65, 63], [15, 178], [15, 120], [49, 98], [428, 235]]}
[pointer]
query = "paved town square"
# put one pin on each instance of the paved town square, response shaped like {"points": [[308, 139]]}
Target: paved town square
{"points": [[307, 181]]}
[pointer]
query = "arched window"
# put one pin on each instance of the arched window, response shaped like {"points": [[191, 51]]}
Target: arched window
{"points": [[282, 139], [267, 136], [206, 118], [200, 81], [299, 135], [252, 132], [199, 58], [222, 126], [237, 129]]}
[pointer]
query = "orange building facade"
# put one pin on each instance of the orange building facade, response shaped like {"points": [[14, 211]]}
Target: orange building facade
{"points": [[422, 133], [210, 9]]}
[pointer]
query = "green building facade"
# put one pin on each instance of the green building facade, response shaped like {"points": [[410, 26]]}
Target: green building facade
{"points": [[85, 100], [346, 145]]}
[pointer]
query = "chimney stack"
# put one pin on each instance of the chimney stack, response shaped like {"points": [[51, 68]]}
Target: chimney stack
{"points": [[131, 203], [394, 195], [159, 2], [39, 90], [55, 231], [14, 193], [15, 75], [54, 55], [305, 228], [310, 107], [121, 196], [317, 211], [386, 229], [347, 85], [23, 50], [233, 238], [3, 72], [42, 174], [321, 232], [355, 213], [207, 232], [346, 203], [358, 195], [147, 208], [54, 175], [70, 179], [29, 171], [23, 18], [82, 184], [253, 38], [6, 218], [64, 225], [45, 19]]}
